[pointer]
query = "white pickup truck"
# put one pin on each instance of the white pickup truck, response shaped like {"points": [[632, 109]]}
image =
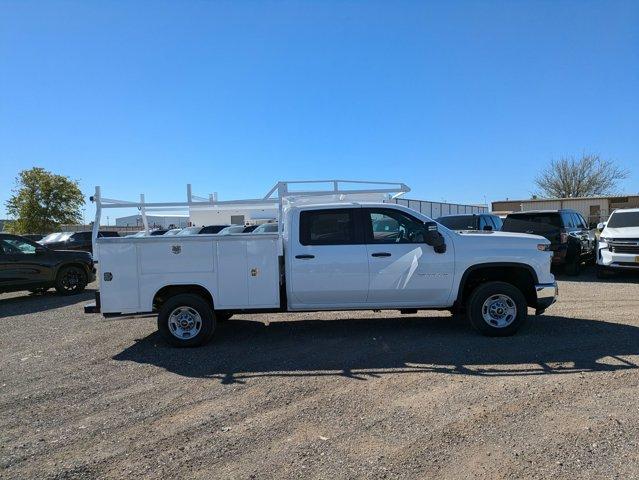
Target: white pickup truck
{"points": [[618, 245], [341, 255]]}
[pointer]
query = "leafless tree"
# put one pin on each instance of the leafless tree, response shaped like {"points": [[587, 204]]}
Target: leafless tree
{"points": [[583, 176]]}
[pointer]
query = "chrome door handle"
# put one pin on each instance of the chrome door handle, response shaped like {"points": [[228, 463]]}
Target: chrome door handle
{"points": [[381, 254]]}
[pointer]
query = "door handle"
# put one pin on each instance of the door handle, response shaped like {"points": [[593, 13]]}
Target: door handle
{"points": [[381, 254], [304, 257]]}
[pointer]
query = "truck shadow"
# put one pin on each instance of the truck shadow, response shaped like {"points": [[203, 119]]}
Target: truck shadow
{"points": [[25, 303], [367, 348]]}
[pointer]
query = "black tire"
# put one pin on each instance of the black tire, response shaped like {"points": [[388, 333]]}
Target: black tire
{"points": [[573, 267], [481, 294], [193, 303], [223, 315], [70, 280]]}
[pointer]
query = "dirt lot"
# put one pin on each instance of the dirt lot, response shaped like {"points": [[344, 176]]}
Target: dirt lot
{"points": [[376, 395]]}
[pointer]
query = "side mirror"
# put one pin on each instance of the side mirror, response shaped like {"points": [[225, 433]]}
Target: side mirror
{"points": [[434, 238], [601, 226], [40, 249]]}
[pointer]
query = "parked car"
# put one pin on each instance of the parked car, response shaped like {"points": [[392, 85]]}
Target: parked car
{"points": [[173, 231], [333, 259], [571, 241], [618, 246], [76, 240], [267, 228], [27, 265], [159, 231], [202, 230], [475, 221]]}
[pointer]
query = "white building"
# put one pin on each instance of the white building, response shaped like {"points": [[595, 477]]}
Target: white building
{"points": [[155, 221]]}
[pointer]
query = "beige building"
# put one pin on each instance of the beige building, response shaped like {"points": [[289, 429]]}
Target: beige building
{"points": [[594, 209]]}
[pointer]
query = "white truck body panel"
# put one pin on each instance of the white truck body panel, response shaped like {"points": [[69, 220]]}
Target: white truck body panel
{"points": [[239, 271]]}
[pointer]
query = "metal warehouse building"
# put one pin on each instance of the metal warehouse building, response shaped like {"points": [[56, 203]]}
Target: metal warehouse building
{"points": [[439, 209], [595, 209]]}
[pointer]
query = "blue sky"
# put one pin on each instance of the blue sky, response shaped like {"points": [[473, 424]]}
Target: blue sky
{"points": [[464, 101]]}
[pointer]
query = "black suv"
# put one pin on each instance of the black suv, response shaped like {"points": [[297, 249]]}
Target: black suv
{"points": [[73, 240], [571, 240], [26, 265], [475, 221]]}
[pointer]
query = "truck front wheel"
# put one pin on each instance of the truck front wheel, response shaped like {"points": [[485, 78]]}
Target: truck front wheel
{"points": [[497, 309], [186, 320]]}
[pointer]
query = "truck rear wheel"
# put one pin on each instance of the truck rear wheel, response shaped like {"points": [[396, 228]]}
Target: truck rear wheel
{"points": [[186, 320], [497, 309]]}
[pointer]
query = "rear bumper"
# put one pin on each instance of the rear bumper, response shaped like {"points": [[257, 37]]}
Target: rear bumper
{"points": [[546, 295]]}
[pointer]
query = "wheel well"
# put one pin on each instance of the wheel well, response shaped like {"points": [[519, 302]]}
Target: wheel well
{"points": [[519, 276], [168, 291]]}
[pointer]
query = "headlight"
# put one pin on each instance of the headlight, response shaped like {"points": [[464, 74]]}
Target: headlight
{"points": [[603, 239], [543, 247]]}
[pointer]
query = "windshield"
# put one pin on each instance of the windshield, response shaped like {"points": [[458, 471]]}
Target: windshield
{"points": [[232, 229], [266, 228], [189, 231], [623, 219], [51, 237], [462, 222], [534, 222]]}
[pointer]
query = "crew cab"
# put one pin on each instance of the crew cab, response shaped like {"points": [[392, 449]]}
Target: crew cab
{"points": [[342, 255], [618, 245]]}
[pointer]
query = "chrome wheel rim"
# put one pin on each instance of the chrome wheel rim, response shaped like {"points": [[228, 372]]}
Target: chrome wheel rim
{"points": [[499, 310], [185, 322]]}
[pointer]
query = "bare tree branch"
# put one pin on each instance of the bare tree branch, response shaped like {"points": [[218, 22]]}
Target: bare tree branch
{"points": [[583, 176]]}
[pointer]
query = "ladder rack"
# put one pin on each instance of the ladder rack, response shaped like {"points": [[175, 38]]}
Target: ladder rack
{"points": [[282, 194]]}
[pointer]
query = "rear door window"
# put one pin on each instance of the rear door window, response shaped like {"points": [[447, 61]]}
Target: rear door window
{"points": [[329, 227]]}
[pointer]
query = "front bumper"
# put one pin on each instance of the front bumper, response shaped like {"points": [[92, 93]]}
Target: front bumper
{"points": [[546, 295], [608, 259]]}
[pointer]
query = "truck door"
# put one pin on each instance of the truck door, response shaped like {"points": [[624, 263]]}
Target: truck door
{"points": [[403, 269], [328, 261]]}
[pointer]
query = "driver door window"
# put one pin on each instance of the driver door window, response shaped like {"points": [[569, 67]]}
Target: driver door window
{"points": [[387, 226]]}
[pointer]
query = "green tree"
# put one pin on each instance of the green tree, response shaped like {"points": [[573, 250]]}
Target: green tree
{"points": [[42, 201]]}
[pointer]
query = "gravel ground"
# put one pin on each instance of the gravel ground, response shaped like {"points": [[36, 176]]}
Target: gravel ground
{"points": [[340, 395]]}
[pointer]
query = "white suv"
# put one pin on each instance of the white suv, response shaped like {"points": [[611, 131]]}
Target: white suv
{"points": [[618, 246]]}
